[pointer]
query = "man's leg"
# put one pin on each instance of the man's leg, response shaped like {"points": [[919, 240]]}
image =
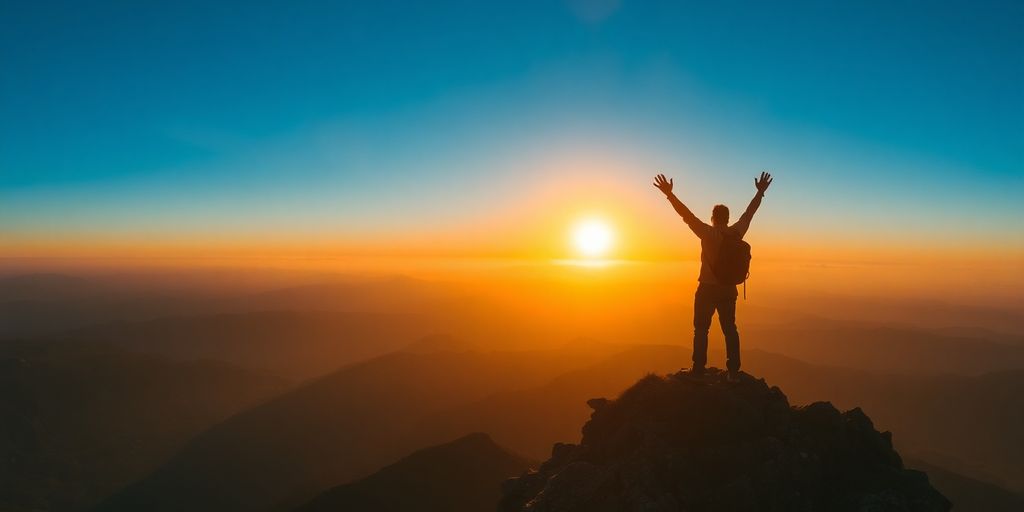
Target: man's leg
{"points": [[703, 310], [727, 318]]}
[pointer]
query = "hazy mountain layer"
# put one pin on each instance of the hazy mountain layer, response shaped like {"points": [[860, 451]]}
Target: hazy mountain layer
{"points": [[351, 423], [333, 430], [295, 345], [969, 494], [81, 421]]}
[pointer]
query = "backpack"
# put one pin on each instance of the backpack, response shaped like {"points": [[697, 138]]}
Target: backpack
{"points": [[732, 266]]}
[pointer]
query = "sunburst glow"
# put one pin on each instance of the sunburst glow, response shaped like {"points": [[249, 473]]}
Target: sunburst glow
{"points": [[592, 238]]}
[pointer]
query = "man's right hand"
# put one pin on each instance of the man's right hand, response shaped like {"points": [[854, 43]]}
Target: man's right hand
{"points": [[663, 184]]}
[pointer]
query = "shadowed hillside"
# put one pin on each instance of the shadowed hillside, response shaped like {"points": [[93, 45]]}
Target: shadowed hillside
{"points": [[81, 421], [686, 443], [969, 494], [464, 475]]}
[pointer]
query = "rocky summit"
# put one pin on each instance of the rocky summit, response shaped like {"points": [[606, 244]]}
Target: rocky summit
{"points": [[683, 442]]}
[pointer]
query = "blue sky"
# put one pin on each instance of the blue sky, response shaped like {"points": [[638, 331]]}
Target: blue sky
{"points": [[172, 117]]}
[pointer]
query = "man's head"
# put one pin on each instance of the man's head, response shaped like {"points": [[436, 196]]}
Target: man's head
{"points": [[720, 215]]}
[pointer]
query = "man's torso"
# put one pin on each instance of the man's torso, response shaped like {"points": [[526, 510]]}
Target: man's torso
{"points": [[710, 243]]}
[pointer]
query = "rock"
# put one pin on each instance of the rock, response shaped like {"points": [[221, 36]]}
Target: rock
{"points": [[704, 443], [597, 403]]}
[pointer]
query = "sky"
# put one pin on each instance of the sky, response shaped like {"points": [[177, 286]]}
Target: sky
{"points": [[894, 129]]}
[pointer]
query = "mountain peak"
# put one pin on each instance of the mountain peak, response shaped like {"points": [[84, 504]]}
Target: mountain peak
{"points": [[682, 442]]}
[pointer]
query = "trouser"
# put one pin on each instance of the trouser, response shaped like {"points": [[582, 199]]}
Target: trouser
{"points": [[709, 298]]}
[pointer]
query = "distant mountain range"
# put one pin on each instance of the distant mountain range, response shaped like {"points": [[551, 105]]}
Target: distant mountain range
{"points": [[888, 349], [347, 425], [36, 305], [207, 402], [333, 430], [295, 345]]}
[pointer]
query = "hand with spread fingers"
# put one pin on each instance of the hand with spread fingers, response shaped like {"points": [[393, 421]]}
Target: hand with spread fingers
{"points": [[763, 182], [663, 184]]}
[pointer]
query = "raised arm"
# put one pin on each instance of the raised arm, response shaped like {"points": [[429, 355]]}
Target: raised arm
{"points": [[741, 226], [698, 227]]}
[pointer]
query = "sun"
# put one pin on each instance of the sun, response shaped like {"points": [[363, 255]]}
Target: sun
{"points": [[592, 238]]}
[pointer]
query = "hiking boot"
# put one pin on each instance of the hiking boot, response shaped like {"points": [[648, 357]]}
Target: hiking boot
{"points": [[733, 376], [696, 371]]}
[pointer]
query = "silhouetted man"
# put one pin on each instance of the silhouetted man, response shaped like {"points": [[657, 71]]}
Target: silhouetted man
{"points": [[711, 294]]}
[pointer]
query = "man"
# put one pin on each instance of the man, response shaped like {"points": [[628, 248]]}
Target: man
{"points": [[713, 295]]}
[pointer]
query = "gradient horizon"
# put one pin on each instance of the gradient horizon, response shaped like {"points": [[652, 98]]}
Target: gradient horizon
{"points": [[453, 130]]}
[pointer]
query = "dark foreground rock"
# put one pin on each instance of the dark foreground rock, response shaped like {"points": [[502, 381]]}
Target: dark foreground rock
{"points": [[705, 444]]}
